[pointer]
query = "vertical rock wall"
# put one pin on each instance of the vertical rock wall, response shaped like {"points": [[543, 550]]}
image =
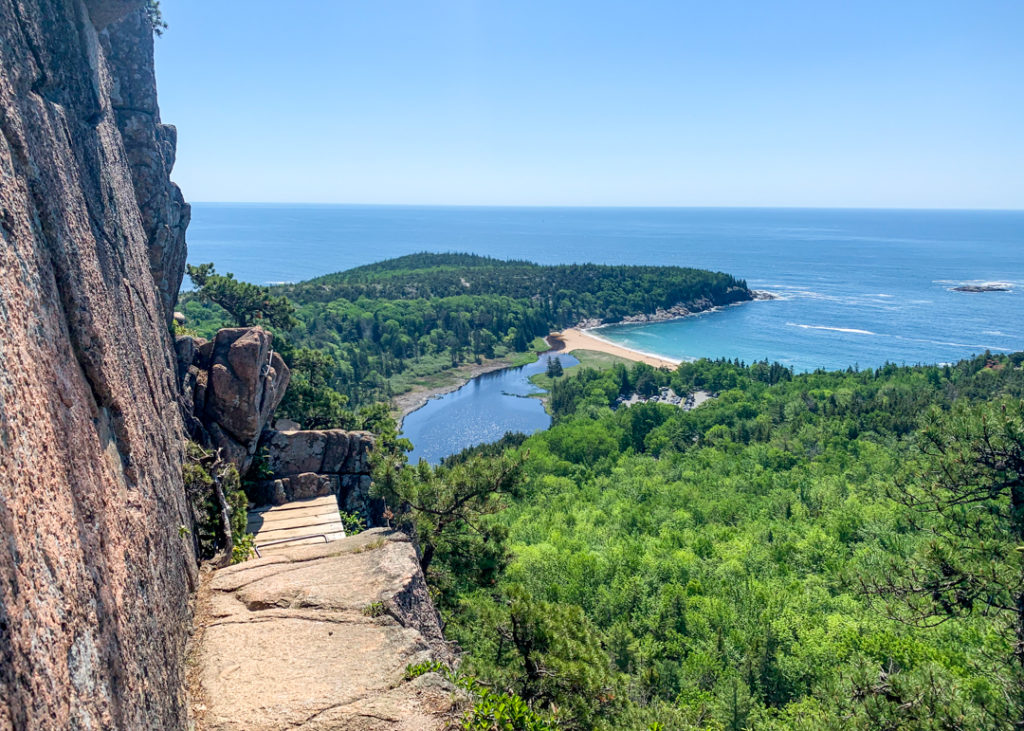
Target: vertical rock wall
{"points": [[95, 571]]}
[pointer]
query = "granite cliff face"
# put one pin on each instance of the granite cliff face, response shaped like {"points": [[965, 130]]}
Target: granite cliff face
{"points": [[97, 564], [95, 575]]}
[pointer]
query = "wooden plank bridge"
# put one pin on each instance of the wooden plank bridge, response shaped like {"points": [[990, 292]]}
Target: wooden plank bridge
{"points": [[297, 523]]}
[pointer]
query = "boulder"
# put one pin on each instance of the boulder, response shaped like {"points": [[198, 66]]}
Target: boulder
{"points": [[230, 387], [339, 459], [246, 382], [331, 451], [290, 453]]}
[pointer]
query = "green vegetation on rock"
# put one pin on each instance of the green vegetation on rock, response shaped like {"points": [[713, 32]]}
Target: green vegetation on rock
{"points": [[219, 505], [246, 303]]}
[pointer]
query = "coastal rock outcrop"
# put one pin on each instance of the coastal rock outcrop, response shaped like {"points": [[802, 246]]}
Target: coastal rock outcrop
{"points": [[96, 566], [318, 637], [230, 388], [734, 295]]}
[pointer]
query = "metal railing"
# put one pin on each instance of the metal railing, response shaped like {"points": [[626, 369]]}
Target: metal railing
{"points": [[257, 548]]}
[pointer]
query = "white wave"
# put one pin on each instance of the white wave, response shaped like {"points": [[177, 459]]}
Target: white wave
{"points": [[994, 332], [977, 283], [775, 295], [956, 345], [835, 329]]}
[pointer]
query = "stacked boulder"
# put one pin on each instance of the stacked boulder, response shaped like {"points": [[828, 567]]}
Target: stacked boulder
{"points": [[230, 387], [305, 464]]}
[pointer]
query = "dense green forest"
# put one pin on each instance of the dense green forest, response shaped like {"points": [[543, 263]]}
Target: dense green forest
{"points": [[804, 551], [826, 550], [383, 325]]}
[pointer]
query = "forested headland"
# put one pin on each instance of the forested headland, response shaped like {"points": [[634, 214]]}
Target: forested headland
{"points": [[370, 332]]}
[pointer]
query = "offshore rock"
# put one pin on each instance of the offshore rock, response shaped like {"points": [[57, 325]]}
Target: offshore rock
{"points": [[230, 388], [95, 571], [318, 637]]}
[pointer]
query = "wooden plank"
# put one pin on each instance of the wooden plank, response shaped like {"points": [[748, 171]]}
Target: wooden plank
{"points": [[310, 514], [304, 520], [277, 527], [257, 523], [324, 527], [323, 501], [303, 542]]}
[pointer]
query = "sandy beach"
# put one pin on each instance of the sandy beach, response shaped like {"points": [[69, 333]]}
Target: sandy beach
{"points": [[575, 339], [565, 341]]}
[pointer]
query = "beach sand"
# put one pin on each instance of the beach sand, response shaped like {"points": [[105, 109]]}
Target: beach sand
{"points": [[575, 339], [566, 341]]}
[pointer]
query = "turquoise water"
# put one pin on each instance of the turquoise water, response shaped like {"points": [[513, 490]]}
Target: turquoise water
{"points": [[856, 286]]}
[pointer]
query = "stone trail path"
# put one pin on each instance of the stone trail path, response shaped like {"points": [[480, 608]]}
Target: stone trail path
{"points": [[317, 638], [307, 520]]}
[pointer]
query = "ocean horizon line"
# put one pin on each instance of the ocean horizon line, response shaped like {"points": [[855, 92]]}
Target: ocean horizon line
{"points": [[626, 207]]}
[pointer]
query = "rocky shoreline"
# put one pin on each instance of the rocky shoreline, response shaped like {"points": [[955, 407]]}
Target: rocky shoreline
{"points": [[675, 312]]}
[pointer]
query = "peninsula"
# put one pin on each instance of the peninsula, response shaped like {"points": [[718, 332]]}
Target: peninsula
{"points": [[406, 329]]}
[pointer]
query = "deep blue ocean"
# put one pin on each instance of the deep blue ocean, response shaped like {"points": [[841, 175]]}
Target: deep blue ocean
{"points": [[854, 287]]}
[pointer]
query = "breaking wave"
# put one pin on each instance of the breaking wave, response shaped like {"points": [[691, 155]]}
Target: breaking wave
{"points": [[854, 330]]}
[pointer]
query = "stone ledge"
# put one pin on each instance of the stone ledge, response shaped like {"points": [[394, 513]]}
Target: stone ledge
{"points": [[318, 637]]}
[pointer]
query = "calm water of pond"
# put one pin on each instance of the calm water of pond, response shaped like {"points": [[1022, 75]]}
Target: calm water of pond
{"points": [[484, 410]]}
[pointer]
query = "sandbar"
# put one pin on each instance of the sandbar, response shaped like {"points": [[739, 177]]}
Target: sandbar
{"points": [[575, 339]]}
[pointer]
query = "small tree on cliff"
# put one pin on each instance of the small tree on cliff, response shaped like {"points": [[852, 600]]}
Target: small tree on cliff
{"points": [[448, 508], [247, 303], [156, 17]]}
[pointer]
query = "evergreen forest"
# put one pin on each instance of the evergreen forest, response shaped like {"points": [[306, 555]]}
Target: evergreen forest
{"points": [[825, 550]]}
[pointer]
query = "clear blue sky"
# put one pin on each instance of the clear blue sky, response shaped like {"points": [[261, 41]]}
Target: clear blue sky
{"points": [[892, 103]]}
